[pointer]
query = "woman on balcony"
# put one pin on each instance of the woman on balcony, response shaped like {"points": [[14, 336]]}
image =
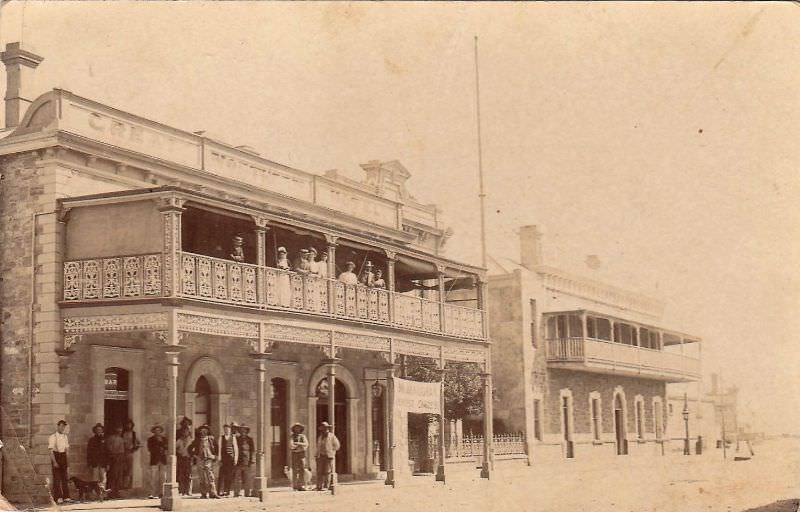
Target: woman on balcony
{"points": [[348, 276], [379, 282], [283, 284]]}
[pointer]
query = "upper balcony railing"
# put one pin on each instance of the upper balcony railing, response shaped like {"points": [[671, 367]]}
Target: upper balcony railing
{"points": [[229, 282], [609, 357]]}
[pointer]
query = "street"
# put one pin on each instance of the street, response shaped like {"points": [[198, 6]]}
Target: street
{"points": [[672, 483]]}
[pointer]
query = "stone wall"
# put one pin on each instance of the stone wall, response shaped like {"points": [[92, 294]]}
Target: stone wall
{"points": [[30, 269]]}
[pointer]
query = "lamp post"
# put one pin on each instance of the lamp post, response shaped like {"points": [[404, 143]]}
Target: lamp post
{"points": [[686, 450]]}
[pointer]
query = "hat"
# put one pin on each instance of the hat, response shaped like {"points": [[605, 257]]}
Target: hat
{"points": [[282, 249], [226, 425], [204, 426], [61, 422], [156, 426], [369, 264], [299, 426], [303, 251], [325, 424], [312, 250], [244, 426], [349, 263], [99, 425]]}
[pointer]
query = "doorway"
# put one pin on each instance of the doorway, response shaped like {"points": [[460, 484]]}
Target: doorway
{"points": [[202, 402], [116, 403], [619, 426], [279, 417], [565, 412], [340, 415]]}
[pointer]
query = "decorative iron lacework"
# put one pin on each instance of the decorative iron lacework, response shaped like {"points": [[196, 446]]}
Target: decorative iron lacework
{"points": [[218, 325], [115, 323]]}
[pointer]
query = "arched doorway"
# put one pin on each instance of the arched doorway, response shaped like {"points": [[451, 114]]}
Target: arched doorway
{"points": [[205, 397], [202, 402], [619, 424], [279, 417], [340, 416]]}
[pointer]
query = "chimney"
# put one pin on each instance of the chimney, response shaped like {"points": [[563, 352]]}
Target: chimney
{"points": [[530, 246], [20, 65]]}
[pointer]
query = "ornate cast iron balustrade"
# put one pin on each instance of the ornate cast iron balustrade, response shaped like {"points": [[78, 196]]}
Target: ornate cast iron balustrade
{"points": [[230, 282], [124, 277]]}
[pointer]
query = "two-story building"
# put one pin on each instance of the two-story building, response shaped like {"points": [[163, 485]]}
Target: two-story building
{"points": [[580, 365], [151, 273]]}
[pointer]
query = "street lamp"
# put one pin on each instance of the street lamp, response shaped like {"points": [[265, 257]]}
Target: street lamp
{"points": [[686, 423]]}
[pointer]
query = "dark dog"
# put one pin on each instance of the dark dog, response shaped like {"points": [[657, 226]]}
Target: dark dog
{"points": [[87, 487]]}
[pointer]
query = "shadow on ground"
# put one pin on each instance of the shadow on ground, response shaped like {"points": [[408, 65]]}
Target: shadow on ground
{"points": [[778, 506]]}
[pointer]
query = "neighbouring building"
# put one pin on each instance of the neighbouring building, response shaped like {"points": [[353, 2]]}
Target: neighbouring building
{"points": [[580, 365], [144, 278], [712, 411]]}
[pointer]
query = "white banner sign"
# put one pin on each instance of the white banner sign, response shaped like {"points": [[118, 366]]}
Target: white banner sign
{"points": [[417, 397]]}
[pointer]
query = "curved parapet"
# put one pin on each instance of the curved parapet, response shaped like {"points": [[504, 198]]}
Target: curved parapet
{"points": [[41, 115]]}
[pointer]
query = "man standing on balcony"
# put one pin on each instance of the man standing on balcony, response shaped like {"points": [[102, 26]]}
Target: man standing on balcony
{"points": [[348, 276], [368, 277], [301, 263], [238, 249]]}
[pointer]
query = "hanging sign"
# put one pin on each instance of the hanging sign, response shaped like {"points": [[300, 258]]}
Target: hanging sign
{"points": [[417, 397]]}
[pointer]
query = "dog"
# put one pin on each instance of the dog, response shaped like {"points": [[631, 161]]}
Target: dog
{"points": [[87, 487]]}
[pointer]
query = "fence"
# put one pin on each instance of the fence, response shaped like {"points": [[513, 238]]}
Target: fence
{"points": [[471, 445]]}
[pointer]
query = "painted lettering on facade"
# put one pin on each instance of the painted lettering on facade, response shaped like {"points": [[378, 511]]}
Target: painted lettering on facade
{"points": [[129, 134]]}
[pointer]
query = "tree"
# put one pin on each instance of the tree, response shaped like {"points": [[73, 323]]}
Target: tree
{"points": [[463, 390]]}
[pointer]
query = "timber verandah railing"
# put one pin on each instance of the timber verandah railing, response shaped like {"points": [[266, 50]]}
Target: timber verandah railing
{"points": [[230, 282], [471, 445], [581, 349]]}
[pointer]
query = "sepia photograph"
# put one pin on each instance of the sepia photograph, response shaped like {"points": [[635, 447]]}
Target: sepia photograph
{"points": [[399, 256]]}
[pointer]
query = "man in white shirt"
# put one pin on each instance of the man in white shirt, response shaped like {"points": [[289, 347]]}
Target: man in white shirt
{"points": [[58, 444]]}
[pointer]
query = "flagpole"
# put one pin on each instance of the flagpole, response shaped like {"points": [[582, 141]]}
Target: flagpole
{"points": [[488, 431], [481, 191]]}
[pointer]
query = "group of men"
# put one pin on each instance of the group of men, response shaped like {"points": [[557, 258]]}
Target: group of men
{"points": [[235, 452], [107, 458], [327, 446], [110, 460]]}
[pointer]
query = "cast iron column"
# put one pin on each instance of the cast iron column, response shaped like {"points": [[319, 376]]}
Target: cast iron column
{"points": [[488, 430], [686, 450], [332, 415], [260, 480], [390, 430], [170, 499], [440, 469]]}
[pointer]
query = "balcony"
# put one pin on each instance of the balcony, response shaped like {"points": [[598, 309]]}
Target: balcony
{"points": [[606, 357], [221, 281], [592, 342]]}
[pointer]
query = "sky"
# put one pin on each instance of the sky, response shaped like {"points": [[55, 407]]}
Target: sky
{"points": [[660, 137]]}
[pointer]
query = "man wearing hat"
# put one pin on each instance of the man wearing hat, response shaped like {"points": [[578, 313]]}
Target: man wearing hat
{"points": [[157, 445], [298, 446], [327, 446], [368, 277], [97, 454], [115, 446], [204, 450], [229, 456], [243, 473], [348, 276], [301, 264]]}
